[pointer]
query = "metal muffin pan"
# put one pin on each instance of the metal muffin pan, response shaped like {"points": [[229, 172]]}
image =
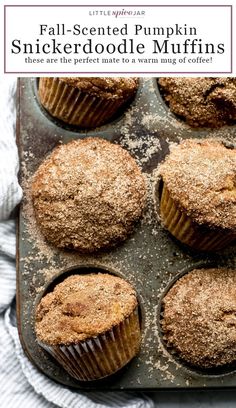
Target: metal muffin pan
{"points": [[150, 259]]}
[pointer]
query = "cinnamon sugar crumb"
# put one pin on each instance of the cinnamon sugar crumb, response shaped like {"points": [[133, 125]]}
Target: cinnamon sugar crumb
{"points": [[199, 317], [201, 178], [209, 102], [83, 306], [88, 194], [105, 87]]}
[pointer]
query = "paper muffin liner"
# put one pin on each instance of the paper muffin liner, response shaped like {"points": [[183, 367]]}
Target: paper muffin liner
{"points": [[185, 230], [103, 355], [72, 106]]}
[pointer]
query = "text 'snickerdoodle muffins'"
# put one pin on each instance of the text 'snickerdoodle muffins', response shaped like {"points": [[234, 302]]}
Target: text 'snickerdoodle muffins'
{"points": [[199, 318], [86, 102], [198, 198], [202, 102], [88, 194], [90, 325]]}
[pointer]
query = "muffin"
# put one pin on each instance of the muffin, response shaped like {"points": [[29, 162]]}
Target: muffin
{"points": [[201, 102], [90, 325], [87, 195], [86, 102], [198, 197], [199, 318]]}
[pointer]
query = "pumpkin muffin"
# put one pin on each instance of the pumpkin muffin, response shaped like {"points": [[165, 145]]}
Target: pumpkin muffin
{"points": [[198, 198], [88, 194], [86, 102], [202, 102], [90, 325], [199, 318]]}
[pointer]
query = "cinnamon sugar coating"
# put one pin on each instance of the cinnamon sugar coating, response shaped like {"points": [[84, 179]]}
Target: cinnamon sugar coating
{"points": [[83, 306], [88, 194], [201, 178], [199, 317], [209, 102], [110, 88]]}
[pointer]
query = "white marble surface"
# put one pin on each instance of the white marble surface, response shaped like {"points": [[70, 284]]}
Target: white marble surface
{"points": [[195, 399]]}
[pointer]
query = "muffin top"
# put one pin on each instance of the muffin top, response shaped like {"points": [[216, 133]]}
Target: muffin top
{"points": [[201, 178], [88, 194], [83, 306], [110, 88], [199, 317], [209, 102]]}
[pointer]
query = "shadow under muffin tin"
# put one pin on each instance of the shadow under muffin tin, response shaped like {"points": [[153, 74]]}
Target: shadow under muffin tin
{"points": [[150, 259]]}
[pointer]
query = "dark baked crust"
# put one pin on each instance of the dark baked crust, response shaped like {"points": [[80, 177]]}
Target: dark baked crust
{"points": [[209, 102], [110, 88], [83, 306], [199, 317], [201, 177], [88, 194]]}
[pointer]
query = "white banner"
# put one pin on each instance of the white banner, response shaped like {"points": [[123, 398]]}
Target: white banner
{"points": [[118, 39]]}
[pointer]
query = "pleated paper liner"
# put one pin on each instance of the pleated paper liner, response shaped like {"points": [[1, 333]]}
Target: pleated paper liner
{"points": [[78, 108], [100, 356], [185, 230]]}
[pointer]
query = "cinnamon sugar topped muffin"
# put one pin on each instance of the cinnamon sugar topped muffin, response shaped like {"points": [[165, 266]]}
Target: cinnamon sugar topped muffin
{"points": [[86, 102], [201, 177], [88, 194], [199, 317], [202, 102], [83, 306], [198, 201], [90, 325], [113, 88]]}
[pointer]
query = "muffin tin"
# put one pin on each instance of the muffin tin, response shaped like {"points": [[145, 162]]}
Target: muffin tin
{"points": [[151, 259]]}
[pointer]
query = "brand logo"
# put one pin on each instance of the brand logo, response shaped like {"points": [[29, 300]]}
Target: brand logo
{"points": [[118, 13]]}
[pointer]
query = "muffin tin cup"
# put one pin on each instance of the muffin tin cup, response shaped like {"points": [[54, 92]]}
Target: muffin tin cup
{"points": [[75, 107], [100, 356], [185, 230]]}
